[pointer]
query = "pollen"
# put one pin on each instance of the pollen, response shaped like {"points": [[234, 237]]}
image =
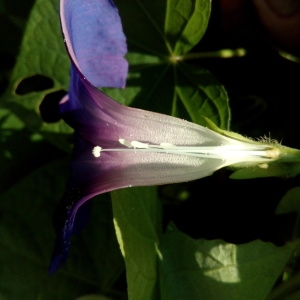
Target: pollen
{"points": [[124, 142], [273, 153], [139, 145], [133, 144], [166, 145], [97, 151], [263, 166]]}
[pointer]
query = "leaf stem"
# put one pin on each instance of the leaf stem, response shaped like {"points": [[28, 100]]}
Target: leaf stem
{"points": [[224, 53]]}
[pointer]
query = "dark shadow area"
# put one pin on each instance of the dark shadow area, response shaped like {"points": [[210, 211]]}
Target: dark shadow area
{"points": [[35, 83], [23, 152], [237, 211], [49, 107], [13, 16]]}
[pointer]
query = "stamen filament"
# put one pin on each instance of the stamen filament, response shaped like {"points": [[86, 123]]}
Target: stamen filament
{"points": [[238, 152]]}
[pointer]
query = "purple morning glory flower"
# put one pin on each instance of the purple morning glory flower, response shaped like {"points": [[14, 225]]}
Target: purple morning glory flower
{"points": [[117, 146], [96, 45]]}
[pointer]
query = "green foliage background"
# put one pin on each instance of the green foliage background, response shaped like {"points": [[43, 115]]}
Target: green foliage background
{"points": [[177, 242]]}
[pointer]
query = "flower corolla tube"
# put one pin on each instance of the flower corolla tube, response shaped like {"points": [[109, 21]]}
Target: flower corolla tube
{"points": [[117, 146]]}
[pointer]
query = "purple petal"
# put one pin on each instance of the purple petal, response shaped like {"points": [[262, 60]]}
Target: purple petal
{"points": [[96, 44], [95, 40], [66, 225]]}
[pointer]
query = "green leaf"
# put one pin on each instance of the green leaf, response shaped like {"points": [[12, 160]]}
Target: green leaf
{"points": [[214, 269], [22, 151], [285, 170], [290, 202], [158, 78], [27, 239], [194, 83], [143, 24], [182, 90], [186, 23], [94, 297], [42, 53], [137, 218]]}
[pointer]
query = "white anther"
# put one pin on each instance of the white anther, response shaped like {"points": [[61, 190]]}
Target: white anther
{"points": [[125, 143], [97, 151], [167, 145], [139, 145]]}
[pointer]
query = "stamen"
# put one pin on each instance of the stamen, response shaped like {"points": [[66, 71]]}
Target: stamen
{"points": [[134, 144], [125, 143], [166, 145], [97, 151], [242, 152], [273, 153], [139, 145]]}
